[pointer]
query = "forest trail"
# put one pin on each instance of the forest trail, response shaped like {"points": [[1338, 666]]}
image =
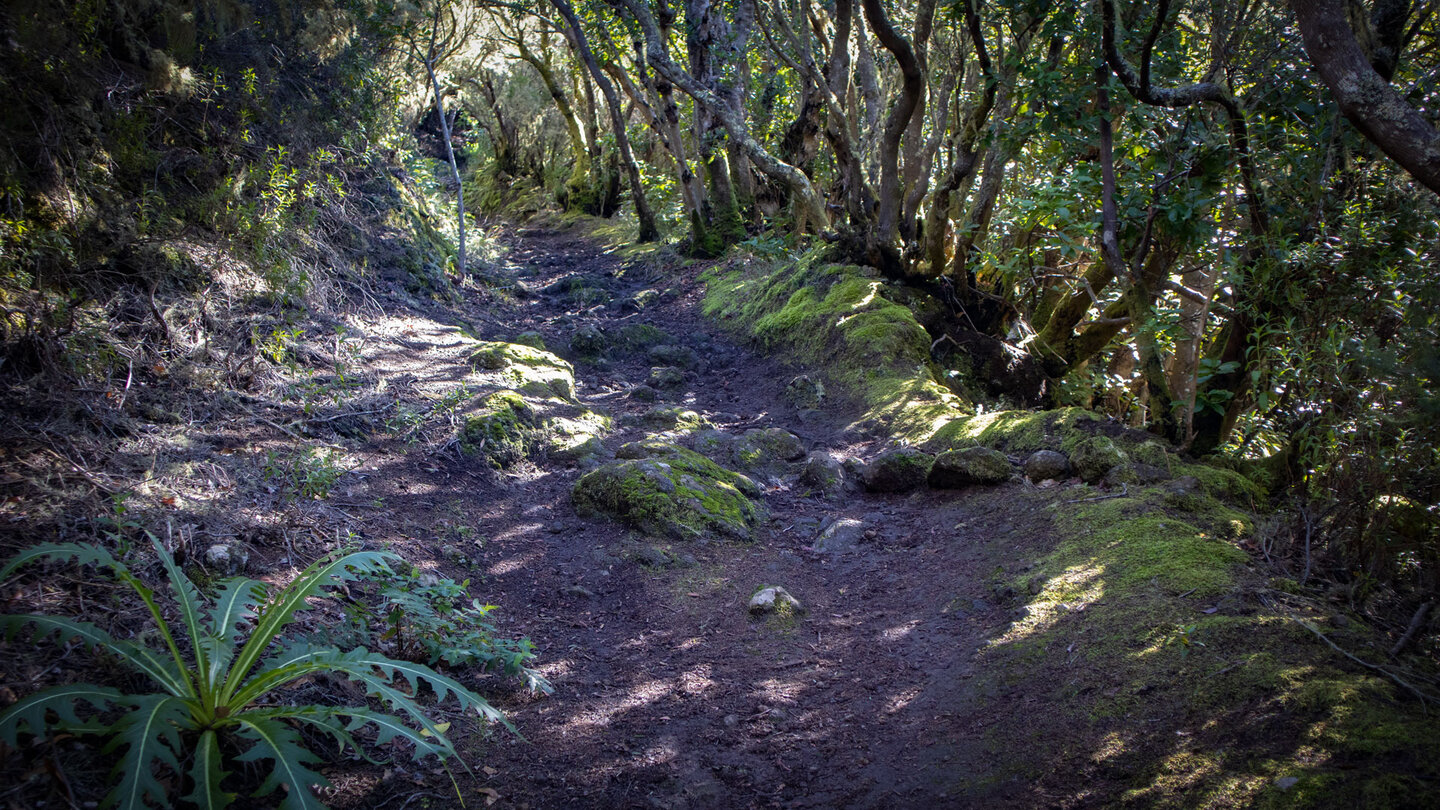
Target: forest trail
{"points": [[667, 692]]}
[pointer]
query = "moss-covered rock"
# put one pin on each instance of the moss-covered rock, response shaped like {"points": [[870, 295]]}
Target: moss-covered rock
{"points": [[668, 418], [898, 470], [678, 494], [682, 357], [758, 448], [502, 433], [633, 337], [969, 466], [823, 473], [588, 342], [1095, 456], [532, 339], [666, 377], [533, 371], [804, 392]]}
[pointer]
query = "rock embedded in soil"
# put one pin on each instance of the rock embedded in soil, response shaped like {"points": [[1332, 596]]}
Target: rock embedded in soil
{"points": [[841, 535], [644, 393], [679, 494], [668, 417], [588, 341], [1094, 457], [971, 465], [1133, 473], [532, 339], [773, 599], [804, 393], [666, 377], [670, 355], [898, 470], [1046, 465], [824, 472], [759, 448], [226, 559]]}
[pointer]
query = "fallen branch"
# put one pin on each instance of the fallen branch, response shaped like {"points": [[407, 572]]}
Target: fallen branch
{"points": [[1416, 622], [1425, 700]]}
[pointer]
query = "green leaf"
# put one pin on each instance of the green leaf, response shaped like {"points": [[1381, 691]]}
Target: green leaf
{"points": [[236, 604], [190, 603], [278, 742], [29, 712], [206, 774], [276, 615], [82, 553], [360, 664], [149, 732], [161, 671]]}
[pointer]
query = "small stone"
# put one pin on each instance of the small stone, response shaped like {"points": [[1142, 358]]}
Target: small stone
{"points": [[1340, 620], [578, 591], [1037, 584], [452, 554], [804, 392], [666, 377], [731, 720], [1287, 782], [1046, 465], [774, 599], [644, 393], [898, 470], [678, 356], [557, 527], [226, 558], [842, 535]]}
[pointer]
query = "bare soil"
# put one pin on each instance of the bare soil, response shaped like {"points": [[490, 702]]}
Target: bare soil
{"points": [[668, 693], [884, 692]]}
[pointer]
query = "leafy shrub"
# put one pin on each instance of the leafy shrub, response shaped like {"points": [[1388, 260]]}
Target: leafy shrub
{"points": [[226, 690], [428, 619]]}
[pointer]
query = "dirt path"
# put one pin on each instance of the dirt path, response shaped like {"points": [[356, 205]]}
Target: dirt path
{"points": [[667, 694]]}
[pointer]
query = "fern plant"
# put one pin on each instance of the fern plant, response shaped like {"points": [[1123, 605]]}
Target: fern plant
{"points": [[225, 688]]}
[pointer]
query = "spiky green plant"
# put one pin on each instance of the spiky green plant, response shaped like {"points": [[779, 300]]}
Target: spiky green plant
{"points": [[225, 688]]}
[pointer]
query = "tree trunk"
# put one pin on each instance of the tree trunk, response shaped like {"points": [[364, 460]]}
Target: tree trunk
{"points": [[1365, 97], [648, 232], [450, 156]]}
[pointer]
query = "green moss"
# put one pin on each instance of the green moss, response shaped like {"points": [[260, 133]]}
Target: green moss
{"points": [[503, 434], [1015, 431], [678, 494], [641, 337], [535, 372], [838, 320], [1222, 483]]}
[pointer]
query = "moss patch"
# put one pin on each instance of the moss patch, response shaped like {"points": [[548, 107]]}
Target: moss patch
{"points": [[674, 493], [842, 321], [503, 433]]}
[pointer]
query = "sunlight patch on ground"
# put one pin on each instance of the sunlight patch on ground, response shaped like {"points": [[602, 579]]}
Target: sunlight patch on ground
{"points": [[1078, 587], [510, 565], [901, 699], [776, 690], [697, 681], [642, 695], [899, 632]]}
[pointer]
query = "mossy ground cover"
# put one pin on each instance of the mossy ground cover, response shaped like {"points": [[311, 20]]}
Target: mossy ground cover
{"points": [[1148, 624], [837, 321], [1143, 623]]}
